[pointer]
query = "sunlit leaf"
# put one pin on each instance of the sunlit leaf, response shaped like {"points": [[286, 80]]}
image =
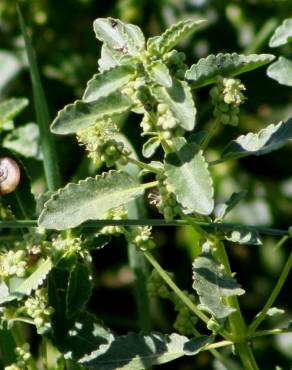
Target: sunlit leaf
{"points": [[282, 34], [150, 147], [265, 141], [141, 351], [187, 173], [207, 70], [90, 199], [281, 71], [212, 284], [80, 115], [180, 101], [159, 73]]}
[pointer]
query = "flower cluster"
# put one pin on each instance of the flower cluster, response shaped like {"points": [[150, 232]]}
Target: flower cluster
{"points": [[119, 213], [13, 263], [175, 62], [37, 308], [167, 204], [102, 144], [141, 236], [227, 96]]}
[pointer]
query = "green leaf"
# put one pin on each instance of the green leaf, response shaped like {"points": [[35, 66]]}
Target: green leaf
{"points": [[109, 58], [26, 286], [207, 70], [187, 173], [119, 36], [21, 201], [212, 285], [77, 336], [90, 199], [159, 73], [198, 137], [150, 147], [105, 83], [141, 351], [282, 34], [79, 289], [10, 108], [79, 115], [244, 235], [225, 208], [265, 141], [281, 71], [173, 35], [25, 140], [180, 101]]}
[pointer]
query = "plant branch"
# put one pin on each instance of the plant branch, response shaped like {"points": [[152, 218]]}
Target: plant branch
{"points": [[263, 333], [224, 226], [281, 281]]}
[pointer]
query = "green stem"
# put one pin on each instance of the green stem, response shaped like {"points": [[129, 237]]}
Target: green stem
{"points": [[178, 291], [262, 315], [210, 135], [143, 165], [42, 115], [235, 320], [281, 242], [263, 333], [209, 226]]}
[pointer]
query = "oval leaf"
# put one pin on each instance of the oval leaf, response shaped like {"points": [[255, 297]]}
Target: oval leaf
{"points": [[281, 71], [180, 101], [10, 108], [212, 284], [159, 73], [207, 70], [282, 34], [80, 115], [90, 199], [105, 83], [119, 36], [265, 141], [150, 147], [141, 351], [187, 173]]}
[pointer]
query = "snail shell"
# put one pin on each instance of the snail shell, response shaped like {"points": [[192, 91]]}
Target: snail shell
{"points": [[9, 175]]}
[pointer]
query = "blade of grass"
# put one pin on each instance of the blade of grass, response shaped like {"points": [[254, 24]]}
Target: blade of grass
{"points": [[42, 115]]}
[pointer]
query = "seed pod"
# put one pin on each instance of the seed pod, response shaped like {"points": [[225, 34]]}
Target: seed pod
{"points": [[9, 175]]}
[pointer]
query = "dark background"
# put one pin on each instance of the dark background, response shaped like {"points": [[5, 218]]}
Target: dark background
{"points": [[67, 54]]}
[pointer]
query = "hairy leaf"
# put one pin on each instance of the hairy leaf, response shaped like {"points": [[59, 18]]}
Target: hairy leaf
{"points": [[198, 137], [25, 140], [150, 147], [180, 101], [77, 336], [26, 286], [80, 115], [187, 173], [265, 141], [109, 58], [90, 199], [79, 289], [281, 71], [159, 73], [10, 108], [105, 83], [207, 70], [119, 36], [244, 235], [225, 208], [141, 351], [212, 285], [282, 34], [173, 35]]}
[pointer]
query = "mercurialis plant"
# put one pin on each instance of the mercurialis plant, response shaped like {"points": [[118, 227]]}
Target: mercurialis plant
{"points": [[46, 275]]}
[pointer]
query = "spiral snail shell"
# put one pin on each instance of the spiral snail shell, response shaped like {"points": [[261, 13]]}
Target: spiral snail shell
{"points": [[9, 175]]}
